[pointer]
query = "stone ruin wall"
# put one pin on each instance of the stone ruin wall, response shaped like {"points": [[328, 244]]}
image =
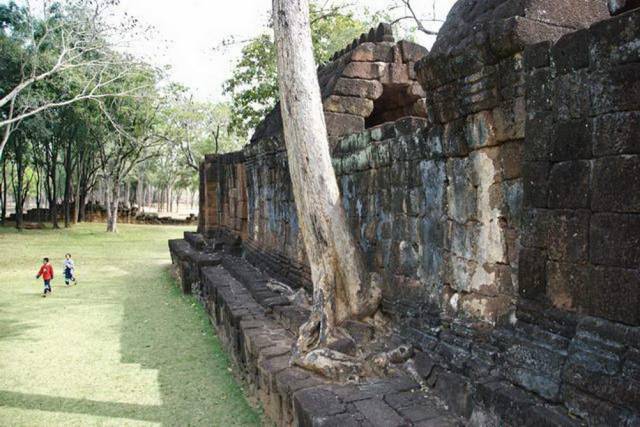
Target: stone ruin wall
{"points": [[223, 189], [506, 222], [582, 172]]}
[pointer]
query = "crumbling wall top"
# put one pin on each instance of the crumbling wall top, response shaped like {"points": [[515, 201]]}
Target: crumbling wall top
{"points": [[369, 82], [482, 32]]}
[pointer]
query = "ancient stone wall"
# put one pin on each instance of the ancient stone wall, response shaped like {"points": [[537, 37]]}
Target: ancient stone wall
{"points": [[582, 172], [505, 220], [224, 205], [274, 241], [476, 99]]}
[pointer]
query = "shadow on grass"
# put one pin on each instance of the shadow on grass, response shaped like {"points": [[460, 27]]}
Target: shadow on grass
{"points": [[79, 406], [168, 332], [13, 329]]}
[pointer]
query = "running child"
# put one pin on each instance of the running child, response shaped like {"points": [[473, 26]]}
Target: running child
{"points": [[46, 271], [69, 270]]}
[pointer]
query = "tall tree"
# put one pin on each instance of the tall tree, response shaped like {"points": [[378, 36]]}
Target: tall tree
{"points": [[342, 287], [130, 140], [60, 38]]}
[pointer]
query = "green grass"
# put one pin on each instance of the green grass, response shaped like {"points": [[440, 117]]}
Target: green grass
{"points": [[123, 347]]}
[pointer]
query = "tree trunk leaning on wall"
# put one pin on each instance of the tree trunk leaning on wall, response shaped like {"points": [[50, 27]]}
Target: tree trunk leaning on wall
{"points": [[343, 289]]}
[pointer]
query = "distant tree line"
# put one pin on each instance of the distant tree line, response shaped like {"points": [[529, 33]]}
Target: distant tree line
{"points": [[81, 121]]}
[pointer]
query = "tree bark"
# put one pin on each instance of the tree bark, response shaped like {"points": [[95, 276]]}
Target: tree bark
{"points": [[18, 186], [343, 289], [38, 194], [52, 182], [82, 216], [127, 195], [112, 206], [67, 185], [76, 197], [3, 208], [140, 193]]}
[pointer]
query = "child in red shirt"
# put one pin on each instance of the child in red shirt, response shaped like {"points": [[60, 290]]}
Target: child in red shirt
{"points": [[46, 271]]}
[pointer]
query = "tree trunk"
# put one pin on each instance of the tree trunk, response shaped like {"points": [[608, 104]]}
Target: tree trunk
{"points": [[38, 195], [5, 190], [82, 216], [67, 186], [53, 192], [140, 193], [18, 188], [343, 289], [178, 197], [149, 196], [127, 195], [112, 206], [76, 197]]}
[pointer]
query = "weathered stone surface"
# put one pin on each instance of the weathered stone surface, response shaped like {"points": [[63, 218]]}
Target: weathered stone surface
{"points": [[349, 104], [343, 124], [616, 134], [616, 89], [569, 185], [412, 52], [314, 405], [572, 141], [378, 413], [532, 282], [571, 52], [616, 184], [456, 391], [371, 89], [568, 237], [373, 52], [366, 70], [536, 184], [615, 240]]}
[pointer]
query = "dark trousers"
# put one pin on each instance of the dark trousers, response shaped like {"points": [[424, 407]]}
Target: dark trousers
{"points": [[47, 286], [68, 275]]}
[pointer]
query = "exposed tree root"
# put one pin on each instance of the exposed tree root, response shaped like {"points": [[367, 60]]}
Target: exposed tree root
{"points": [[326, 359], [331, 364]]}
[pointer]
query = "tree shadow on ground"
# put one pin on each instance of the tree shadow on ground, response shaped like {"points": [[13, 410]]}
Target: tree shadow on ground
{"points": [[79, 406], [11, 329], [170, 333]]}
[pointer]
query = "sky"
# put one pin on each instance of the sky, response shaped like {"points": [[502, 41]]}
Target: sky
{"points": [[186, 33]]}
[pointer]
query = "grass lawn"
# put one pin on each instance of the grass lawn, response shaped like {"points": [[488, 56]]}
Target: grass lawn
{"points": [[123, 347]]}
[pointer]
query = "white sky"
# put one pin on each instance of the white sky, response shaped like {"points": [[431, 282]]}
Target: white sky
{"points": [[187, 31], [192, 28]]}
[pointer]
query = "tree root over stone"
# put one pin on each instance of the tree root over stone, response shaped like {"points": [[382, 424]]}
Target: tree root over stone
{"points": [[339, 366], [345, 358]]}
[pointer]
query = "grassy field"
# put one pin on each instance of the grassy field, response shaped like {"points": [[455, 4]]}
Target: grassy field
{"points": [[123, 347]]}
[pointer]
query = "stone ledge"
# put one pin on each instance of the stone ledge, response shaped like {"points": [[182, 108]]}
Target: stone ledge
{"points": [[258, 338], [534, 373]]}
